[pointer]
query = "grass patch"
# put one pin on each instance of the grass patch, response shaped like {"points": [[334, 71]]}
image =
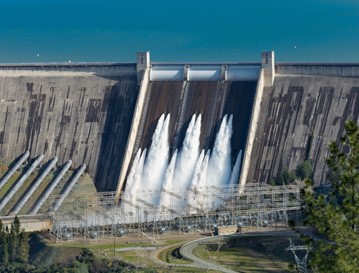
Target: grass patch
{"points": [[94, 246], [201, 251], [19, 193], [250, 254], [46, 206], [29, 204], [175, 241], [187, 270], [167, 256], [9, 184]]}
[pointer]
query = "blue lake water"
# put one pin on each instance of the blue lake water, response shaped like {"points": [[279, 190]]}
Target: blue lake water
{"points": [[197, 30]]}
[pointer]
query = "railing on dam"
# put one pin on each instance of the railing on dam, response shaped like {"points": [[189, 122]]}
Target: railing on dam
{"points": [[62, 64], [318, 69], [161, 64], [100, 68]]}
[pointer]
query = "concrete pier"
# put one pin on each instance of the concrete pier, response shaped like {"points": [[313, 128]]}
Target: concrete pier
{"points": [[131, 142]]}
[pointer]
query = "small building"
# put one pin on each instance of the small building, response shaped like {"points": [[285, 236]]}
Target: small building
{"points": [[222, 230]]}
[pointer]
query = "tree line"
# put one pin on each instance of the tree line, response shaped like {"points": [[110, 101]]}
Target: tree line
{"points": [[15, 251], [14, 247]]}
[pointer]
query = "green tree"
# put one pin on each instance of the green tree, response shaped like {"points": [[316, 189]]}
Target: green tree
{"points": [[304, 170], [23, 247], [16, 225], [79, 267], [4, 253], [14, 248], [12, 243], [286, 177], [334, 213]]}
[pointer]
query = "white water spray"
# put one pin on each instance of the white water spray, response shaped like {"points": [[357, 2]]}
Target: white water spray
{"points": [[197, 193], [131, 176], [187, 169], [188, 156], [167, 195], [199, 172], [219, 166], [134, 182], [156, 162], [235, 172]]}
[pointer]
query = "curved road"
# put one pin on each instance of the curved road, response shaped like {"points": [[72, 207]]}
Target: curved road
{"points": [[187, 252], [187, 249]]}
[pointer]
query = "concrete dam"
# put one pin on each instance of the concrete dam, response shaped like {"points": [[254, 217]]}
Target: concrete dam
{"points": [[249, 120], [77, 112]]}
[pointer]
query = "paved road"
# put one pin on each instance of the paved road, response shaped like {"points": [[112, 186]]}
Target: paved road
{"points": [[124, 249], [187, 249], [187, 252]]}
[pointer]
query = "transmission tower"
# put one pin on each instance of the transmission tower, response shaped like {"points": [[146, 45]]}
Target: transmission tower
{"points": [[301, 263]]}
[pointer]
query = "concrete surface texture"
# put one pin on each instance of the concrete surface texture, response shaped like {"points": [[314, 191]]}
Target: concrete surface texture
{"points": [[79, 112], [300, 115]]}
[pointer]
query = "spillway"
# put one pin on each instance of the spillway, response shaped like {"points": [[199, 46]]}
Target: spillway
{"points": [[208, 96], [212, 100]]}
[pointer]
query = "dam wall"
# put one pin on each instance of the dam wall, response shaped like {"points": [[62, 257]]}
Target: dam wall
{"points": [[101, 114], [300, 115], [81, 112]]}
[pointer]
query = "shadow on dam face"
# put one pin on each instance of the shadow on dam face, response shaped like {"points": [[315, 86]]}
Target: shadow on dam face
{"points": [[120, 106], [212, 99]]}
